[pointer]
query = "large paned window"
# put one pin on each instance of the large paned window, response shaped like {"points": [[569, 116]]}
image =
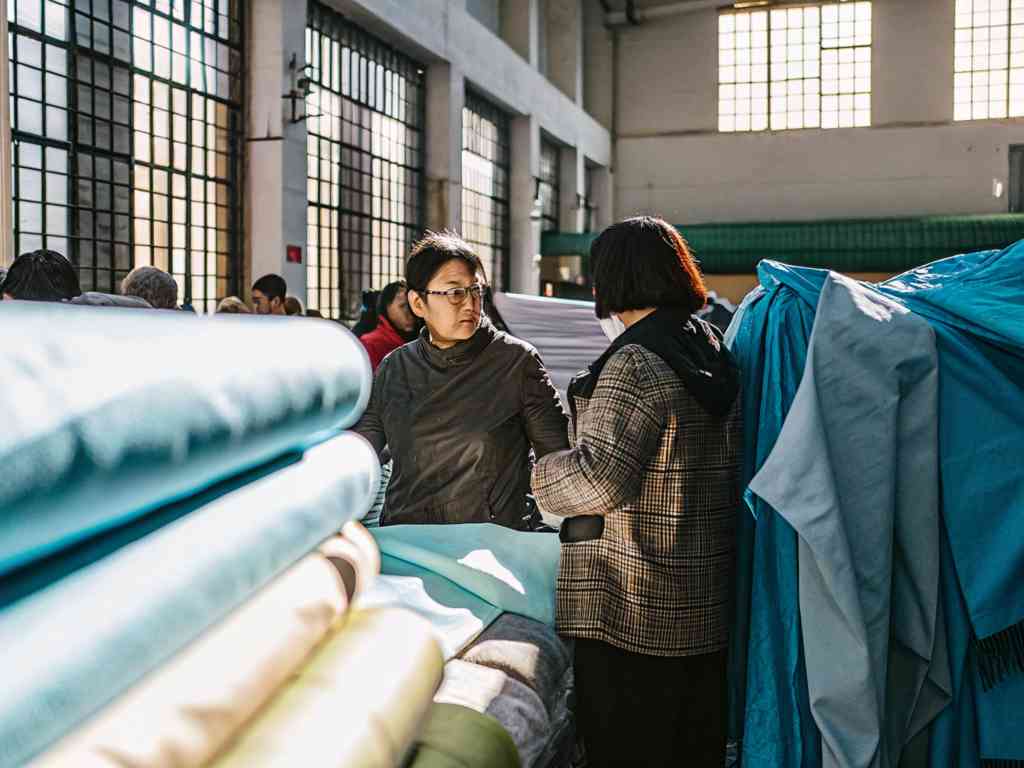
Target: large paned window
{"points": [[485, 185], [548, 187], [126, 128], [365, 163], [801, 67], [988, 59]]}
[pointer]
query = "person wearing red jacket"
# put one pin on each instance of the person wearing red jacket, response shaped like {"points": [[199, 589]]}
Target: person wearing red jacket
{"points": [[396, 324]]}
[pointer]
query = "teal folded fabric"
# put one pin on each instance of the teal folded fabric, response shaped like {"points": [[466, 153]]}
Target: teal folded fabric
{"points": [[512, 570], [110, 415], [73, 646]]}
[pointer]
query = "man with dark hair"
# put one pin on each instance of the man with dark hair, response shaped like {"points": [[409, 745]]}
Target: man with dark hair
{"points": [[465, 407], [396, 324], [292, 306], [268, 295], [41, 276], [152, 284]]}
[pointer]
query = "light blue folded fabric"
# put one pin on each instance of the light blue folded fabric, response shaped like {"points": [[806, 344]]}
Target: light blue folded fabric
{"points": [[70, 648], [514, 571], [111, 414]]}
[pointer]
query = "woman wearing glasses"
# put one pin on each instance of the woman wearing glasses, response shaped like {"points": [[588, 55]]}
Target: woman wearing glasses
{"points": [[461, 407]]}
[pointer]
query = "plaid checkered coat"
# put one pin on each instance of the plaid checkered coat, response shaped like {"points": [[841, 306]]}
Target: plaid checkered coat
{"points": [[665, 475]]}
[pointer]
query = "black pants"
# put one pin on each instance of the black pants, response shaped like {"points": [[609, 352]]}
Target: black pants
{"points": [[639, 710]]}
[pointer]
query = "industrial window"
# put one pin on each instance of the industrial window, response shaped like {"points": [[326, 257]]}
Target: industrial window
{"points": [[548, 186], [485, 185], [989, 59], [365, 163], [801, 67], [126, 128]]}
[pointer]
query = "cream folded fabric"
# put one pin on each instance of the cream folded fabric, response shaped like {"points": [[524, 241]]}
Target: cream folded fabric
{"points": [[183, 713], [359, 702], [356, 556]]}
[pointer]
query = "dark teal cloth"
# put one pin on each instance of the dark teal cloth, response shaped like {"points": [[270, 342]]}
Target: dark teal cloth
{"points": [[769, 707]]}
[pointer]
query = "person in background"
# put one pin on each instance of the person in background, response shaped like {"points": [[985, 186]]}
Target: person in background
{"points": [[292, 306], [232, 305], [268, 295], [396, 324], [152, 284], [41, 276], [367, 314], [313, 313], [461, 407], [649, 491]]}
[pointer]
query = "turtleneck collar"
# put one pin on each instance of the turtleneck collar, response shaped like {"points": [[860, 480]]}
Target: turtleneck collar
{"points": [[462, 352]]}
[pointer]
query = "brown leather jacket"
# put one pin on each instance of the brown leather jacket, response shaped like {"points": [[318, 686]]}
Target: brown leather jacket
{"points": [[460, 424]]}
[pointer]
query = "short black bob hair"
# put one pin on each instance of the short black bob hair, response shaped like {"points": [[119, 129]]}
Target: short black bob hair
{"points": [[434, 251], [387, 295], [41, 276], [272, 286], [644, 262]]}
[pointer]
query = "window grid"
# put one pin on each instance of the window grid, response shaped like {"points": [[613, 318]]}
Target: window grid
{"points": [[800, 67], [126, 122], [364, 163], [549, 188], [485, 185], [988, 80]]}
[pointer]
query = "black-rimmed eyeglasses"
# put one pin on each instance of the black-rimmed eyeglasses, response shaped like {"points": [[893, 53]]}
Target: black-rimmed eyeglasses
{"points": [[456, 296]]}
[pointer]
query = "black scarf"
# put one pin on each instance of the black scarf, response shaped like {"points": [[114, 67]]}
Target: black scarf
{"points": [[689, 346]]}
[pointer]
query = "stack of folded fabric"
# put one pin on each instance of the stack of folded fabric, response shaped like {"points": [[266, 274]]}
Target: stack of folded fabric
{"points": [[884, 426], [174, 590]]}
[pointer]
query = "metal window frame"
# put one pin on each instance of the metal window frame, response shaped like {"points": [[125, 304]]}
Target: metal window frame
{"points": [[549, 186], [368, 227], [84, 20], [479, 105]]}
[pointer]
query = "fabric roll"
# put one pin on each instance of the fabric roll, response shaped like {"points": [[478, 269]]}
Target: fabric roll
{"points": [[359, 702], [75, 645], [109, 415], [527, 651], [355, 557], [459, 737], [490, 691], [183, 713]]}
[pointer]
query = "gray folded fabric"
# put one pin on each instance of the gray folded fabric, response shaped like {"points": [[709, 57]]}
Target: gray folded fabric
{"points": [[490, 691], [526, 650]]}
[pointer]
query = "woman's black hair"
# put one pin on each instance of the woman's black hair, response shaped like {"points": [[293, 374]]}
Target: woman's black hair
{"points": [[434, 251], [41, 276], [644, 262], [387, 295]]}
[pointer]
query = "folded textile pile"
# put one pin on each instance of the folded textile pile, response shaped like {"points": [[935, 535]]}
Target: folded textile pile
{"points": [[861, 401]]}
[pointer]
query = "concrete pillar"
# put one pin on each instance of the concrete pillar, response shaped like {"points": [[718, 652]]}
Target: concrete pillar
{"points": [[602, 198], [572, 189], [446, 97], [563, 21], [276, 183], [520, 28], [524, 237], [6, 225]]}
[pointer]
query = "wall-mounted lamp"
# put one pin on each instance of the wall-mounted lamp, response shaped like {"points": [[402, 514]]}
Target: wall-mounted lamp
{"points": [[302, 87]]}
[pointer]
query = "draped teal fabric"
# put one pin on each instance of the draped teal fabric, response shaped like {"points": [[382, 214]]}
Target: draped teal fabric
{"points": [[111, 414], [72, 646]]}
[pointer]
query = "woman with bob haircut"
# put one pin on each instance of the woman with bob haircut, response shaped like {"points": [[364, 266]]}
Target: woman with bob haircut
{"points": [[461, 407], [649, 490]]}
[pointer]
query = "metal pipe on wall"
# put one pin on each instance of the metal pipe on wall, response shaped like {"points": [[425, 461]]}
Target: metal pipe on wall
{"points": [[627, 18]]}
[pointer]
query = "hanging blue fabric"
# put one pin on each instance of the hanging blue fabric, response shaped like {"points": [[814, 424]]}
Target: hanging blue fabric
{"points": [[769, 707]]}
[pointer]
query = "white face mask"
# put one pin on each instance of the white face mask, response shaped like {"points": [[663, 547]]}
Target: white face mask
{"points": [[612, 327]]}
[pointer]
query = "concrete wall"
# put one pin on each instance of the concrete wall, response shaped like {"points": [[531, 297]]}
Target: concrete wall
{"points": [[914, 160]]}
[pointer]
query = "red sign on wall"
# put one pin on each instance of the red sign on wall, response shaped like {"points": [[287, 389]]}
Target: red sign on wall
{"points": [[293, 254]]}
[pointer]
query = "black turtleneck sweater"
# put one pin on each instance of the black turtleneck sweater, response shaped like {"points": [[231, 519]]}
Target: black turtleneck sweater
{"points": [[460, 423]]}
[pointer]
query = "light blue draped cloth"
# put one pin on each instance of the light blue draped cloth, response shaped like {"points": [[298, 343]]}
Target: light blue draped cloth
{"points": [[71, 647], [855, 472], [513, 571], [110, 414]]}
